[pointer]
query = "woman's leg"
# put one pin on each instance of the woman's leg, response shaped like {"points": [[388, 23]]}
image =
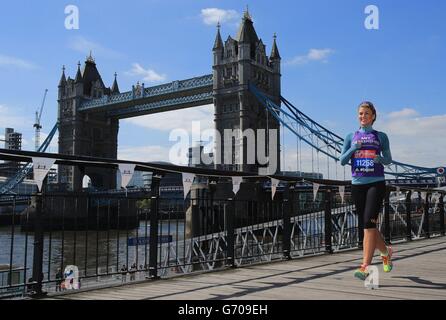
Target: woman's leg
{"points": [[380, 244], [374, 200], [359, 194], [369, 246], [372, 240]]}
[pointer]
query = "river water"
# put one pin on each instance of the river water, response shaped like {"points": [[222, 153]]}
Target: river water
{"points": [[92, 252]]}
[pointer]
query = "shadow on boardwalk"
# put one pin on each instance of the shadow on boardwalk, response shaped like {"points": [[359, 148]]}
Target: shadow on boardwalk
{"points": [[418, 274]]}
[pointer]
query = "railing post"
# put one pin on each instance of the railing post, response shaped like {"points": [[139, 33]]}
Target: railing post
{"points": [[287, 210], [38, 246], [153, 238], [328, 226], [426, 217], [212, 189], [441, 204], [197, 226], [230, 232], [408, 216], [387, 235]]}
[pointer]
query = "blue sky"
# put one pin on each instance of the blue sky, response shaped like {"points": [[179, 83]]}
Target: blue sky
{"points": [[330, 62]]}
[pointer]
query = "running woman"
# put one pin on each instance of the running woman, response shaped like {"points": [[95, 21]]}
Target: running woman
{"points": [[368, 151]]}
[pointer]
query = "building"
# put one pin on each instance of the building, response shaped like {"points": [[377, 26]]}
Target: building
{"points": [[238, 62], [13, 141], [137, 180], [52, 176], [147, 179], [311, 175], [84, 134], [196, 155]]}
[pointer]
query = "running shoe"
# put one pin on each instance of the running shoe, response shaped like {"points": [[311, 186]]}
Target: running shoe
{"points": [[362, 273], [387, 260]]}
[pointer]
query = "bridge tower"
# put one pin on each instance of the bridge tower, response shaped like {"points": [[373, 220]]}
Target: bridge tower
{"points": [[83, 133], [238, 62]]}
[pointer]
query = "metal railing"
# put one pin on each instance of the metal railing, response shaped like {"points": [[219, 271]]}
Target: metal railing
{"points": [[116, 238]]}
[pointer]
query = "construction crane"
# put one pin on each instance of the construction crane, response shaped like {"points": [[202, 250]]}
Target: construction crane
{"points": [[37, 124]]}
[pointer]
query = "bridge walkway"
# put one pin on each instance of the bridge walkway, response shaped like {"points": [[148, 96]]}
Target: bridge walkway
{"points": [[419, 273]]}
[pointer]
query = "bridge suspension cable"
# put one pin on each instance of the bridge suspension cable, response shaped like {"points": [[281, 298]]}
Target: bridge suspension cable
{"points": [[324, 141]]}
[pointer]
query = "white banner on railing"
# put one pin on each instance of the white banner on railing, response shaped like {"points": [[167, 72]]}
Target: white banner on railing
{"points": [[127, 170], [41, 167], [236, 181], [342, 193], [188, 179], [274, 184], [315, 190]]}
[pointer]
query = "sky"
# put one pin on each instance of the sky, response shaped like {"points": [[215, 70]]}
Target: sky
{"points": [[330, 63]]}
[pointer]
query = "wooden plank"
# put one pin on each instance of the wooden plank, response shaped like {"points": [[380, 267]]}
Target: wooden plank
{"points": [[418, 274]]}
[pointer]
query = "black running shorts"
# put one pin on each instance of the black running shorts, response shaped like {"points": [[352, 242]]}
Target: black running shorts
{"points": [[368, 199]]}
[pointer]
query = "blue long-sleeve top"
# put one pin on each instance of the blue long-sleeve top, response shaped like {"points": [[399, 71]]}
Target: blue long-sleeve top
{"points": [[384, 158]]}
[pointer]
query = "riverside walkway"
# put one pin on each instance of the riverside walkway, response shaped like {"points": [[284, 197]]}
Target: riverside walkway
{"points": [[419, 273]]}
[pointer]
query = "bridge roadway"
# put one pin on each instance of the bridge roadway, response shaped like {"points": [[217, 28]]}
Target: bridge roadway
{"points": [[166, 97], [419, 273]]}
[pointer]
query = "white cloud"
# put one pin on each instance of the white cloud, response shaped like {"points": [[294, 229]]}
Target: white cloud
{"points": [[148, 75], [169, 123], [312, 55], [404, 113], [178, 119], [415, 139], [22, 122], [211, 16], [83, 45], [11, 119], [8, 61]]}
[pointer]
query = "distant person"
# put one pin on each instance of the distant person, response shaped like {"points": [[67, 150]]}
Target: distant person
{"points": [[123, 273], [133, 270], [59, 280], [368, 151]]}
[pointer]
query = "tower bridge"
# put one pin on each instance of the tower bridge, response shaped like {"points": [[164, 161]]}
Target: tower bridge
{"points": [[89, 112]]}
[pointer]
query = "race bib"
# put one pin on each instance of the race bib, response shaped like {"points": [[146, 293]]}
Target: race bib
{"points": [[363, 160]]}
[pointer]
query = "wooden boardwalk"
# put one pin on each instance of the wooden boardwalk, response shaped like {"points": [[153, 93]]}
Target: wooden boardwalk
{"points": [[419, 273]]}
